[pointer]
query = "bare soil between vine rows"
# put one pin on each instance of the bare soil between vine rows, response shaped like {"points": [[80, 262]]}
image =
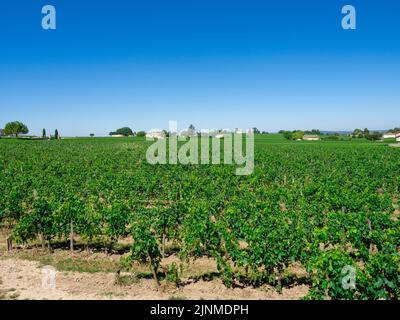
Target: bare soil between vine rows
{"points": [[21, 278]]}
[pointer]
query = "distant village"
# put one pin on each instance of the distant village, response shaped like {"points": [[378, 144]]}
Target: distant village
{"points": [[18, 129], [298, 135]]}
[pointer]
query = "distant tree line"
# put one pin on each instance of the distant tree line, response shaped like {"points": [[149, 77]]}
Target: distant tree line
{"points": [[394, 130], [298, 134], [15, 128], [369, 135], [125, 131], [292, 135], [357, 133], [56, 135]]}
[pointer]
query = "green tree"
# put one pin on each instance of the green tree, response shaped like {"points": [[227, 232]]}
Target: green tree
{"points": [[44, 133], [394, 130], [313, 131], [358, 133], [125, 131], [141, 134], [374, 135], [298, 135], [15, 128], [56, 135], [287, 135]]}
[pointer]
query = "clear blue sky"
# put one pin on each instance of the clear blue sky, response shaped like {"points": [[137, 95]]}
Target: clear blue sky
{"points": [[214, 63]]}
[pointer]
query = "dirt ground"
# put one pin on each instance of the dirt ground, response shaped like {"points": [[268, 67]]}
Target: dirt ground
{"points": [[22, 279], [84, 275]]}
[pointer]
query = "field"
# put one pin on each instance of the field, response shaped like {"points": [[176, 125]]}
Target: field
{"points": [[308, 215]]}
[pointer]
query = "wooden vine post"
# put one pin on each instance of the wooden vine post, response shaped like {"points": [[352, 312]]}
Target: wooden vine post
{"points": [[71, 237], [43, 241], [163, 245], [8, 244]]}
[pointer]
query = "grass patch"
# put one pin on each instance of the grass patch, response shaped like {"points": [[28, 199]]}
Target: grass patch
{"points": [[110, 294], [81, 265], [73, 264], [126, 280]]}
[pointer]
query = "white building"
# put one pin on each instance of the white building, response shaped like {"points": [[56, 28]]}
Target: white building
{"points": [[398, 137], [311, 137], [155, 134], [187, 133], [389, 135]]}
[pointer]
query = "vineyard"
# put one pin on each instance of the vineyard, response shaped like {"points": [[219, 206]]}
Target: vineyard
{"points": [[324, 205]]}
